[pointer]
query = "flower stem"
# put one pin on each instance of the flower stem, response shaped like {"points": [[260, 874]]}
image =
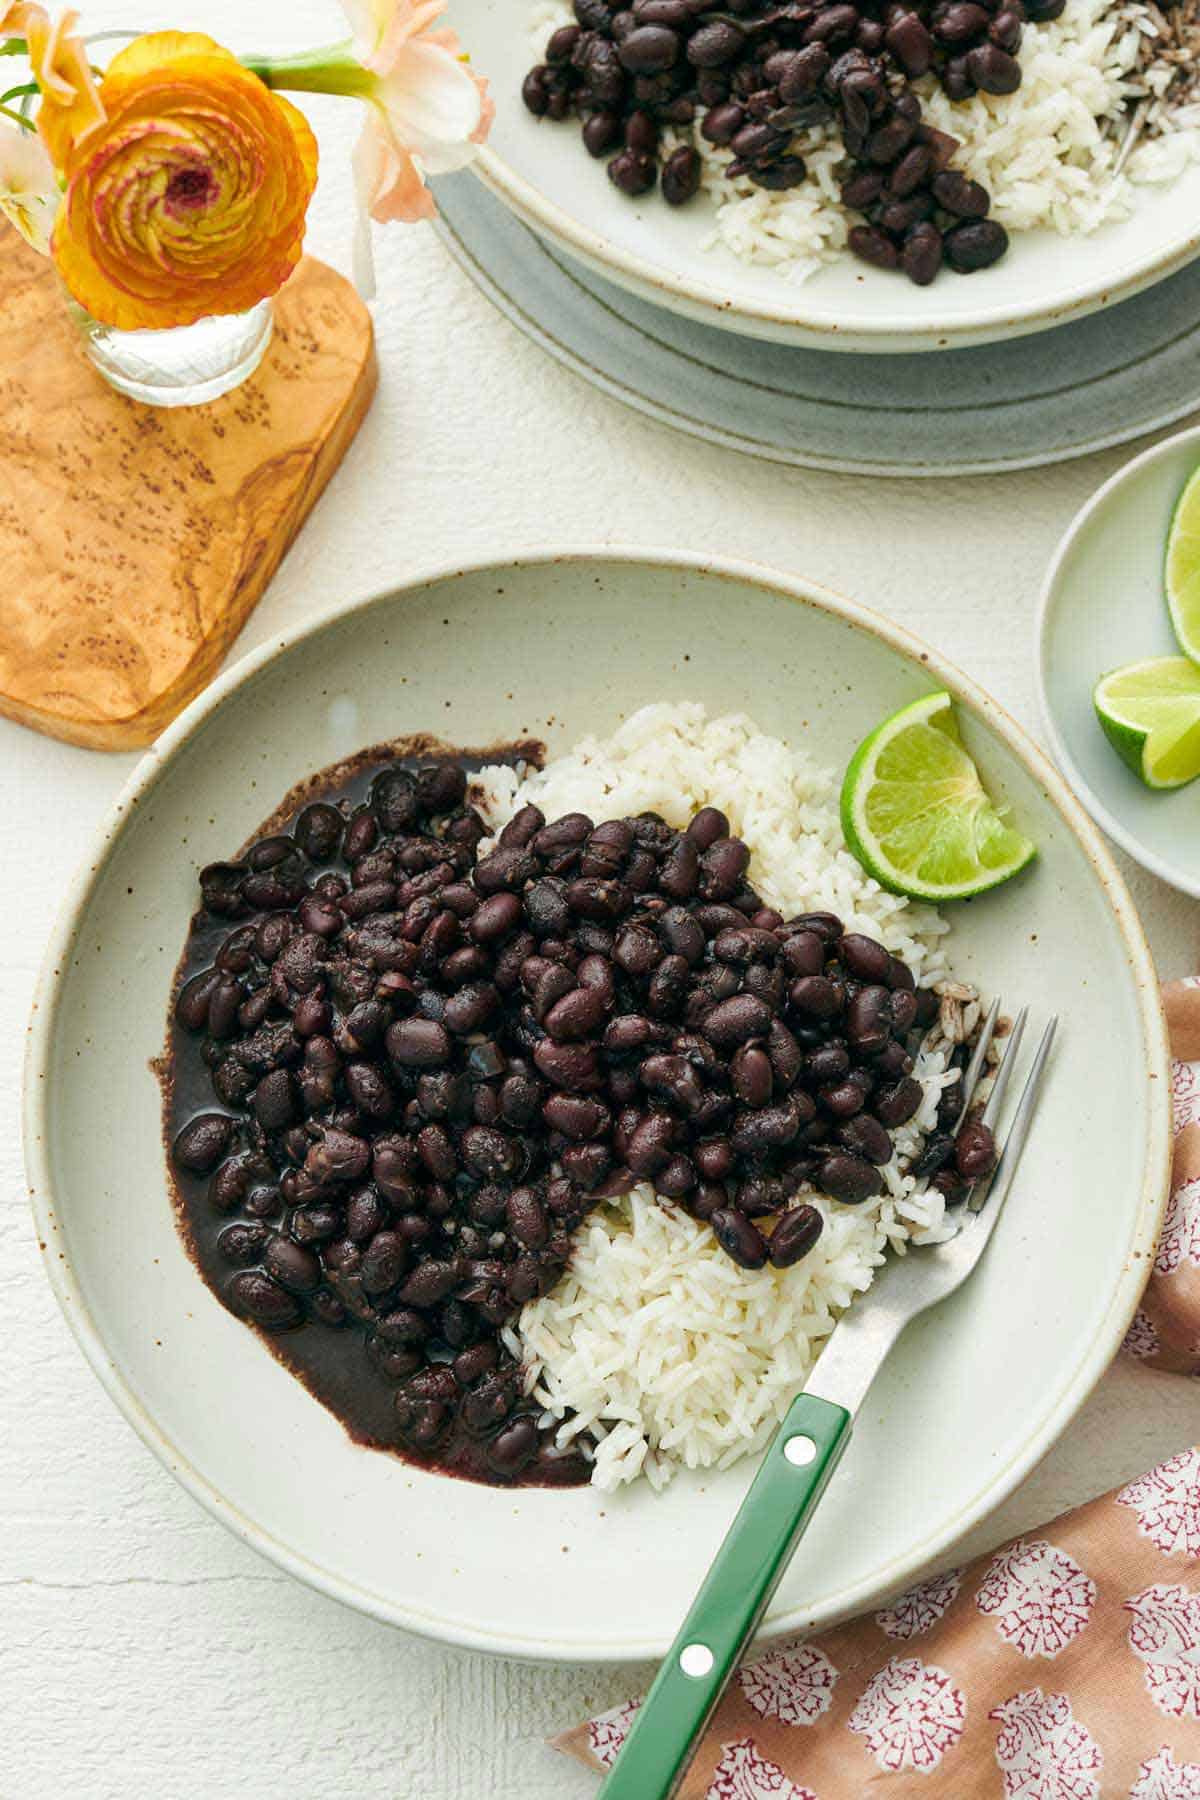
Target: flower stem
{"points": [[333, 69], [7, 112]]}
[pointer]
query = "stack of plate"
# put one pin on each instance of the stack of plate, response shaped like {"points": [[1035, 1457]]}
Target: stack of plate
{"points": [[626, 293]]}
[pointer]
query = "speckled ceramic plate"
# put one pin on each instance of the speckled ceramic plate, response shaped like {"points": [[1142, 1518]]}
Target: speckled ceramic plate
{"points": [[1043, 399], [1103, 606], [561, 645], [542, 172]]}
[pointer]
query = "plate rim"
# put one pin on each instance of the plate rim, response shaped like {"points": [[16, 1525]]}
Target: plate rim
{"points": [[53, 974], [568, 357], [1048, 601], [888, 333]]}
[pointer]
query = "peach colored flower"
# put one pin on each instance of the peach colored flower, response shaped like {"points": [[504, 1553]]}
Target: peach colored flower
{"points": [[29, 193], [70, 108], [427, 111], [191, 198]]}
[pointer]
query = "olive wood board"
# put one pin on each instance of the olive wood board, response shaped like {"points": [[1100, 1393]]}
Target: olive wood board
{"points": [[135, 541]]}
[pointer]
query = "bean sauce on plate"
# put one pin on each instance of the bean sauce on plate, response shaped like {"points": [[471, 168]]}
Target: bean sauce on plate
{"points": [[401, 1072]]}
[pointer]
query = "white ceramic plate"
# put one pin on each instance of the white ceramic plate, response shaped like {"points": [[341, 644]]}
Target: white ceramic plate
{"points": [[543, 172], [1017, 405], [559, 646], [1103, 606]]}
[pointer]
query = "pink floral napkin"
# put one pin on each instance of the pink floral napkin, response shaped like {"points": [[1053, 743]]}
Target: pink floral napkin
{"points": [[1064, 1666]]}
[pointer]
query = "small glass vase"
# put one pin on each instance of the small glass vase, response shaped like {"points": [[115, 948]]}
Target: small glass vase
{"points": [[181, 366]]}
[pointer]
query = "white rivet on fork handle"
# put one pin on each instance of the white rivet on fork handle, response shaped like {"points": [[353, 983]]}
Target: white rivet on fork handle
{"points": [[696, 1659], [801, 1451]]}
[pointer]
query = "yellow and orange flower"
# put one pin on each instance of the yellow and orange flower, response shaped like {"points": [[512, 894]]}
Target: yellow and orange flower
{"points": [[190, 197]]}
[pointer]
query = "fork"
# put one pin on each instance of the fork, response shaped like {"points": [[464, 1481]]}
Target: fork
{"points": [[806, 1450]]}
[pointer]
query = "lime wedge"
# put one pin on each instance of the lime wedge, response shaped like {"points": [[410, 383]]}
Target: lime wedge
{"points": [[1181, 572], [1150, 712], [915, 813]]}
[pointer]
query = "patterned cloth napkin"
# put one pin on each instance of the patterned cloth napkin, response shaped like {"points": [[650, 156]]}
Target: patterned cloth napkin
{"points": [[1065, 1666]]}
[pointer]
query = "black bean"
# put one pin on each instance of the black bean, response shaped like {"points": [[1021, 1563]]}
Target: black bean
{"points": [[489, 1151], [275, 1100], [974, 1151], [739, 1238], [795, 1235], [921, 258], [872, 246], [910, 43], [514, 1447], [848, 1178], [937, 1152], [804, 953], [600, 132], [763, 1129], [203, 1142], [566, 833], [896, 1104], [650, 1144], [264, 1301], [712, 46], [962, 22], [864, 958], [243, 1242], [430, 1283], [842, 1099], [318, 831], [975, 245], [787, 172], [1006, 30], [720, 125], [967, 199], [869, 1020], [722, 867], [191, 1007], [733, 1021], [578, 1014], [833, 25], [527, 1218], [993, 70], [648, 49], [418, 1043], [751, 1075], [571, 1066], [866, 1137], [577, 1116], [675, 1078], [816, 997], [292, 1266]]}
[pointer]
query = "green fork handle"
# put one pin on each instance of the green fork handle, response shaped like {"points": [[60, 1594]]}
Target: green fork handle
{"points": [[726, 1612]]}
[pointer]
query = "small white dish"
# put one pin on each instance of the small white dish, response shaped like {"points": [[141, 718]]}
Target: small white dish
{"points": [[1103, 606], [560, 645], [542, 171]]}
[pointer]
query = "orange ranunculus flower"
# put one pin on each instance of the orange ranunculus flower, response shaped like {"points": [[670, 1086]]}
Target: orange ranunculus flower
{"points": [[191, 197]]}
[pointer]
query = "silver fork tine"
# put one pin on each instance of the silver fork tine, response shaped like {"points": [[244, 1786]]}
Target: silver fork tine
{"points": [[1004, 1073], [996, 1190], [975, 1066]]}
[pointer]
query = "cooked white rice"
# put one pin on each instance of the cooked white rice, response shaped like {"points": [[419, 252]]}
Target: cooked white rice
{"points": [[655, 1349], [1046, 153]]}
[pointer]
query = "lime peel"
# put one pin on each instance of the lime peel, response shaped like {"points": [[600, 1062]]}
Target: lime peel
{"points": [[915, 812], [1181, 569], [1150, 713]]}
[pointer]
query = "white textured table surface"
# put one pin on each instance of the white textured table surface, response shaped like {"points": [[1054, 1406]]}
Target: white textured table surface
{"points": [[144, 1654]]}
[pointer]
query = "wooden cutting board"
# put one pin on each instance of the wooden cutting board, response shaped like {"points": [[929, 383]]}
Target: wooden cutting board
{"points": [[135, 541]]}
